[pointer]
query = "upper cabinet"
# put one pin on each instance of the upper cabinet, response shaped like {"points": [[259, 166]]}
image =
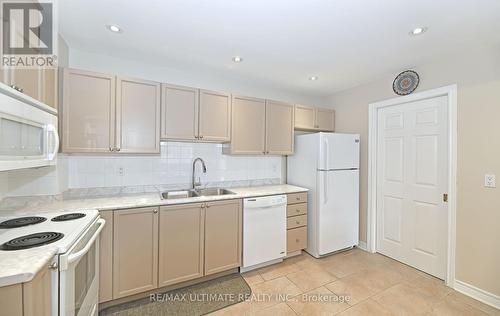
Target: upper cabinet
{"points": [[261, 126], [279, 128], [193, 114], [179, 113], [137, 116], [88, 112], [248, 133], [214, 116], [310, 118], [40, 84], [104, 113]]}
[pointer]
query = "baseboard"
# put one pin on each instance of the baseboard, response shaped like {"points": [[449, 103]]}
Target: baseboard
{"points": [[362, 245], [478, 294]]}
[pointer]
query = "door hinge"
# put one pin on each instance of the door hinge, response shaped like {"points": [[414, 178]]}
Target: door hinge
{"points": [[445, 197]]}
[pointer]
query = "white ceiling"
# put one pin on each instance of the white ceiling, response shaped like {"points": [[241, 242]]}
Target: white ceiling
{"points": [[283, 42]]}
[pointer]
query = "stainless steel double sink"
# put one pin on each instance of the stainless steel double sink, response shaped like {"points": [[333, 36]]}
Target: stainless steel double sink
{"points": [[169, 195]]}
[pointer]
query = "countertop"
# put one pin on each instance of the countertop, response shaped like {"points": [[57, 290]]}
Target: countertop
{"points": [[21, 266]]}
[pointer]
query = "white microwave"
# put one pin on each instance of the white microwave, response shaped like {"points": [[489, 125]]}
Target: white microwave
{"points": [[28, 131]]}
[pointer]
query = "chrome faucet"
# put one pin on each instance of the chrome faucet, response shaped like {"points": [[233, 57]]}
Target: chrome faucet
{"points": [[194, 182]]}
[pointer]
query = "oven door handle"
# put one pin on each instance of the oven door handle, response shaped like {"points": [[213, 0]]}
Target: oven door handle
{"points": [[77, 255]]}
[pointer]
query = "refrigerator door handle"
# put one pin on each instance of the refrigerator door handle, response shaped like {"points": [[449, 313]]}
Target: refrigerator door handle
{"points": [[326, 152], [325, 186]]}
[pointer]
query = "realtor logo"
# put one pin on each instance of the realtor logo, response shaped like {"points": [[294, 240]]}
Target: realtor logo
{"points": [[28, 34]]}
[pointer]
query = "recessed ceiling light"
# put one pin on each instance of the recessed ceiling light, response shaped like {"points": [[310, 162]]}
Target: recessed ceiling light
{"points": [[313, 78], [114, 28], [237, 59], [418, 30]]}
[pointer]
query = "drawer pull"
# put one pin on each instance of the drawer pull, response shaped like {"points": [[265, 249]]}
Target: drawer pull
{"points": [[297, 198], [297, 240], [297, 210], [297, 222]]}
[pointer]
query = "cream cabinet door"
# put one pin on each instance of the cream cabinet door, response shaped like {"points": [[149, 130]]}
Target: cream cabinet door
{"points": [[181, 243], [279, 128], [223, 224], [37, 294], [305, 117], [137, 116], [325, 119], [29, 80], [50, 87], [214, 116], [88, 112], [11, 300], [179, 113], [248, 127], [106, 258], [135, 251]]}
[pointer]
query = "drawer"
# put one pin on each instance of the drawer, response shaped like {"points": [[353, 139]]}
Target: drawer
{"points": [[296, 221], [294, 198], [296, 209], [296, 239]]}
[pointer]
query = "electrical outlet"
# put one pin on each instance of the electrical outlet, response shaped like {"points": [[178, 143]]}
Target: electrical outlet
{"points": [[490, 181], [120, 171]]}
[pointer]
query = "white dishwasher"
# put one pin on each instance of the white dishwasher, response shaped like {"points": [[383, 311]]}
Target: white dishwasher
{"points": [[264, 231]]}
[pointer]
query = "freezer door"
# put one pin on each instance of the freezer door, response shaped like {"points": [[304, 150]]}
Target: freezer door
{"points": [[338, 210], [338, 151]]}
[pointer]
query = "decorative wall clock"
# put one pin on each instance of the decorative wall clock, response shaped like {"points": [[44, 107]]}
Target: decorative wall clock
{"points": [[406, 82]]}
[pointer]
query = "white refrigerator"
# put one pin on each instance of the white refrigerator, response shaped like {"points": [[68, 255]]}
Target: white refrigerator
{"points": [[328, 165]]}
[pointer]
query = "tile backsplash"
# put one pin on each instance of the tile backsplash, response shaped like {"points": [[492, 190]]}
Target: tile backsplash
{"points": [[172, 167]]}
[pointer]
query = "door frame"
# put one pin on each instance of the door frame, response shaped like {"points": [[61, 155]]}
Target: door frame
{"points": [[451, 93]]}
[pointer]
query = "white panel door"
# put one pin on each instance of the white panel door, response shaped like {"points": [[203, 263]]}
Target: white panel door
{"points": [[338, 210], [412, 176]]}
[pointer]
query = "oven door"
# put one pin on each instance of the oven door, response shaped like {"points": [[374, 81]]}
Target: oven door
{"points": [[79, 275]]}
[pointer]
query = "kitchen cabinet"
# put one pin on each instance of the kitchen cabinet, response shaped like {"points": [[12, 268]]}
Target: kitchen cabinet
{"points": [[135, 251], [179, 113], [137, 116], [40, 84], [88, 112], [181, 243], [33, 298], [325, 119], [260, 127], [106, 258], [214, 116], [279, 128], [223, 233], [193, 114], [103, 113], [310, 118], [296, 233], [248, 133], [305, 117]]}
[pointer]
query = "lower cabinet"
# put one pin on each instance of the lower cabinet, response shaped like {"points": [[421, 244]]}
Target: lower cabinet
{"points": [[144, 249], [33, 298], [181, 243], [223, 233], [135, 251], [106, 258]]}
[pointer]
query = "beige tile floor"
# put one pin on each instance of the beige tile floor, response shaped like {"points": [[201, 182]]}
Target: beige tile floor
{"points": [[350, 283]]}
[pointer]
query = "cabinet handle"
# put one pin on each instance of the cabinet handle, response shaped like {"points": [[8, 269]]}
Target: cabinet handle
{"points": [[298, 211], [111, 148], [297, 240], [53, 266], [201, 136], [155, 211], [207, 205], [202, 205], [117, 148], [297, 222]]}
